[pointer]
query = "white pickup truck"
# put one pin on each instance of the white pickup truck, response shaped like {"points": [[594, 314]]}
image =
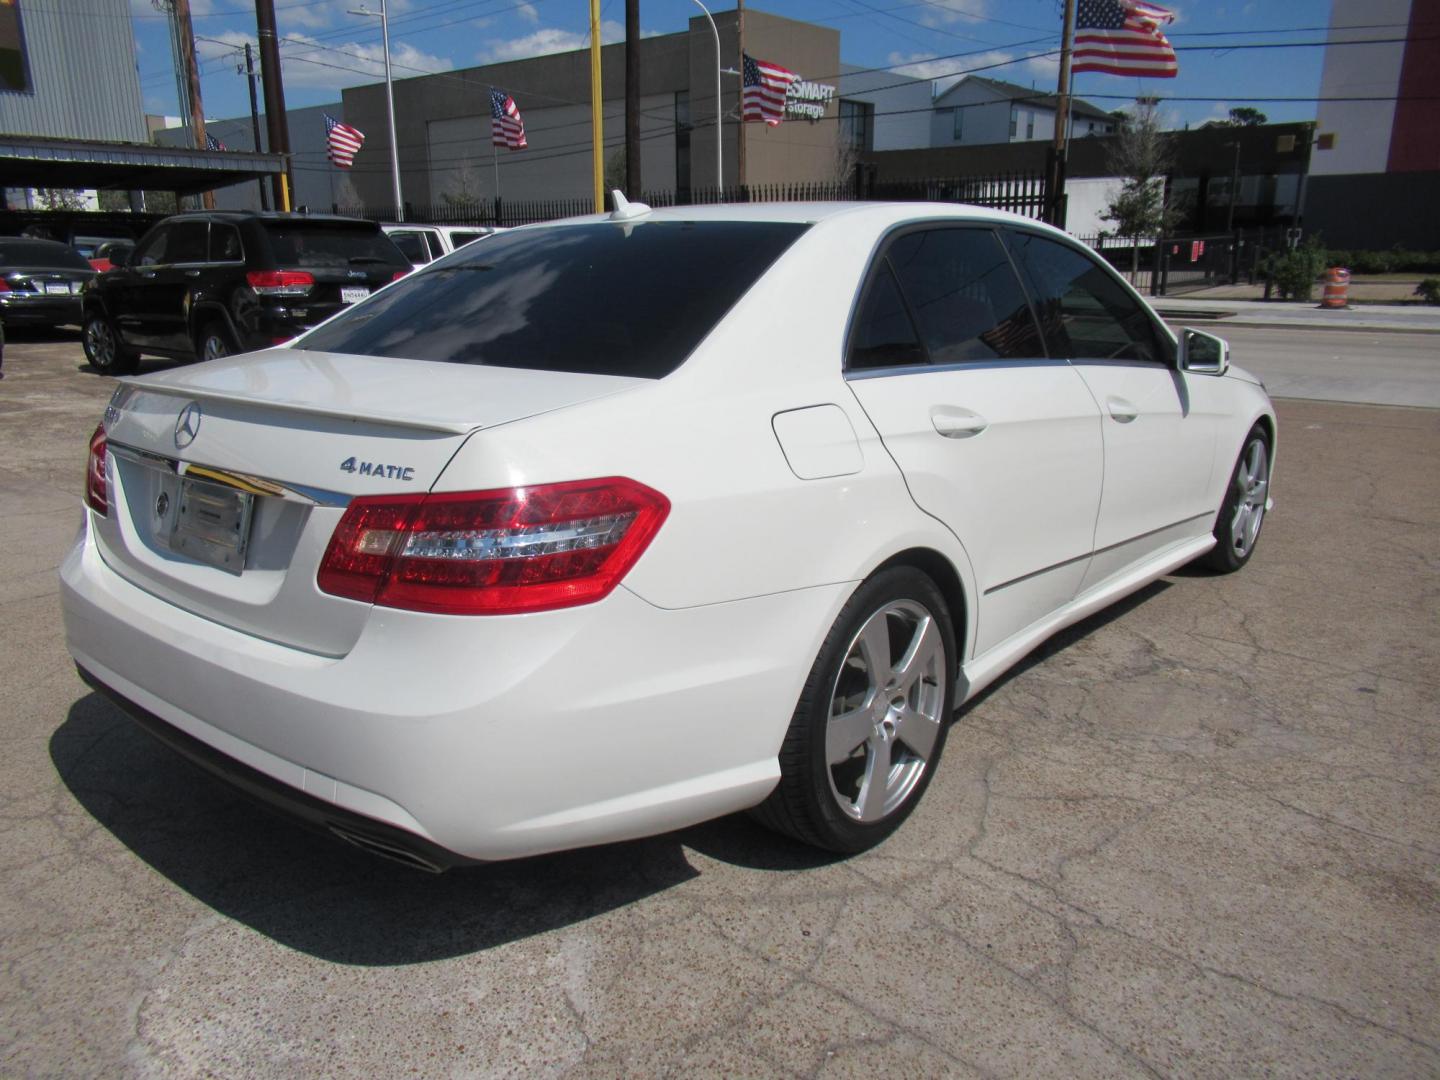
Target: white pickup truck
{"points": [[423, 244]]}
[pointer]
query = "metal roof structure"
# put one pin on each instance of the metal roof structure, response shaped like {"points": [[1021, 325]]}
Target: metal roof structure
{"points": [[36, 161]]}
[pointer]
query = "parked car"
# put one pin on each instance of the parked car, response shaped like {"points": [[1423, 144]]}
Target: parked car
{"points": [[613, 525], [211, 284], [423, 244], [102, 258], [40, 282]]}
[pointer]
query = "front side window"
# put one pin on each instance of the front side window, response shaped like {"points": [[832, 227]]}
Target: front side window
{"points": [[152, 250], [602, 298], [1084, 311]]}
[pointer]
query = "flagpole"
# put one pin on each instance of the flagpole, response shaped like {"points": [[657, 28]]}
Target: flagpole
{"points": [[740, 163], [597, 110], [1062, 120]]}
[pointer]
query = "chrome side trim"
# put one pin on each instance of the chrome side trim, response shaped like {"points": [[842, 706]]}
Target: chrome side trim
{"points": [[256, 485], [959, 365]]}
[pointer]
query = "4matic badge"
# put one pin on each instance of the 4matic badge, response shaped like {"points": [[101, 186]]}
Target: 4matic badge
{"points": [[375, 468]]}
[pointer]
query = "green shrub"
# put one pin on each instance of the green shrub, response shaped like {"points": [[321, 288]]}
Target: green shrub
{"points": [[1294, 272], [1429, 290], [1395, 261]]}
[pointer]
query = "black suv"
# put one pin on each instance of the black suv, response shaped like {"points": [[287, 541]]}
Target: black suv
{"points": [[214, 283]]}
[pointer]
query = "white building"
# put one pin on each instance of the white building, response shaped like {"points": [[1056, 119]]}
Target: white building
{"points": [[979, 111]]}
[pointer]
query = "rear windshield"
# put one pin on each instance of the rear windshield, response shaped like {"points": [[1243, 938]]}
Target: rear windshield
{"points": [[322, 246], [23, 254], [603, 298]]}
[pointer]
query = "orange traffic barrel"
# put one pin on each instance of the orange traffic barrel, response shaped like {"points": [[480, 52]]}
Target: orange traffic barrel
{"points": [[1337, 288]]}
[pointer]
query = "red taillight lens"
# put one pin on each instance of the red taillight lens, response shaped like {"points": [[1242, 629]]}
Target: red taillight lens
{"points": [[492, 552], [4, 285], [96, 497], [398, 275], [280, 282]]}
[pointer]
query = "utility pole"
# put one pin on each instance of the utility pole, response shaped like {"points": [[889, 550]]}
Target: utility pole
{"points": [[254, 116], [275, 120], [1056, 211], [632, 99], [720, 112], [192, 81], [1234, 187]]}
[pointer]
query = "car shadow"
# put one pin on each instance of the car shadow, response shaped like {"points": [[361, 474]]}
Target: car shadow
{"points": [[313, 893]]}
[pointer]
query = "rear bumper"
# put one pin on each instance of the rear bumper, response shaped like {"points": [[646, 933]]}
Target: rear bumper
{"points": [[474, 739], [18, 309]]}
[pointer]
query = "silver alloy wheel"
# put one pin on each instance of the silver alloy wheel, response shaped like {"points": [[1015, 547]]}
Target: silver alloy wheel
{"points": [[1253, 481], [213, 347], [885, 711], [100, 344]]}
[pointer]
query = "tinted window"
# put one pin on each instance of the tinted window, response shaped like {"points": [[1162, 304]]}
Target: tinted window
{"points": [[303, 244], [188, 242], [1084, 311], [615, 299], [411, 245], [460, 239], [884, 336], [27, 253], [225, 243], [153, 248], [966, 298]]}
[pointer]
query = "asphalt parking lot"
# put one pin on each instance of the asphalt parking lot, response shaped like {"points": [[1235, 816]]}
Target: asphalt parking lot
{"points": [[1196, 835]]}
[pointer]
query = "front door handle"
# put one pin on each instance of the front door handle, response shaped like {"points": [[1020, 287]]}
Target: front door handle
{"points": [[1121, 410], [192, 273], [956, 423]]}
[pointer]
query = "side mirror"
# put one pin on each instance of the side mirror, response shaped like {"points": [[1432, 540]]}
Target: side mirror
{"points": [[1202, 353]]}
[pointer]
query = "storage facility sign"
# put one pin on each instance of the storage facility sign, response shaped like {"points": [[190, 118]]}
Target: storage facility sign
{"points": [[808, 100]]}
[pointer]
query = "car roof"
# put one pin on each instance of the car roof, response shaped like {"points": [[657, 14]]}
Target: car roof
{"points": [[34, 240], [235, 217]]}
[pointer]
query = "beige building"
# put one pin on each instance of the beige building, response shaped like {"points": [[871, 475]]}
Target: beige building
{"points": [[444, 135]]}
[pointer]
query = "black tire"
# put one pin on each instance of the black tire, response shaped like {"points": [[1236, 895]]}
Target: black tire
{"points": [[1237, 533], [104, 349], [812, 801], [213, 342]]}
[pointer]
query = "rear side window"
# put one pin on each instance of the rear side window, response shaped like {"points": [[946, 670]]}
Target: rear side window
{"points": [[225, 243], [460, 239], [1084, 311], [411, 245], [315, 246], [604, 298], [943, 296]]}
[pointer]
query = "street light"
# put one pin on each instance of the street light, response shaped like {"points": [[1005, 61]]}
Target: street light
{"points": [[719, 173], [389, 103]]}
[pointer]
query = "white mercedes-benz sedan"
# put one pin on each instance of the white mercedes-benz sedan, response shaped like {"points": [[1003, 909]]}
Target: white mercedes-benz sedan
{"points": [[608, 526]]}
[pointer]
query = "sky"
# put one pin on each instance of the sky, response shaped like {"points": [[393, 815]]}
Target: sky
{"points": [[325, 47]]}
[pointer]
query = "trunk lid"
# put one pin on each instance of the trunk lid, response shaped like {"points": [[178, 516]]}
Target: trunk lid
{"points": [[227, 479]]}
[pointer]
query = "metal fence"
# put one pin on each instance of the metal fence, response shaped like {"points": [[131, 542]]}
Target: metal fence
{"points": [[1172, 265], [1021, 193]]}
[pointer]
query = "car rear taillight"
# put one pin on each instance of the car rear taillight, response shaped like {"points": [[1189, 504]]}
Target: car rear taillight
{"points": [[4, 285], [398, 275], [96, 496], [492, 552], [280, 282]]}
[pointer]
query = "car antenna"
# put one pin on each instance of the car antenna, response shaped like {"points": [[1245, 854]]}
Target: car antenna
{"points": [[625, 210]]}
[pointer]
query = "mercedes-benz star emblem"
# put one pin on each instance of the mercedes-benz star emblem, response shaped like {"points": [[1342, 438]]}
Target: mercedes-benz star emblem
{"points": [[187, 425], [162, 504]]}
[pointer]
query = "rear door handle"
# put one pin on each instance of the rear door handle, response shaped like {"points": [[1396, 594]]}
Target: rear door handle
{"points": [[192, 273], [1121, 410], [956, 423]]}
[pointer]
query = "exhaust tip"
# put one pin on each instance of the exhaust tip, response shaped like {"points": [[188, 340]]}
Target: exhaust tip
{"points": [[386, 850]]}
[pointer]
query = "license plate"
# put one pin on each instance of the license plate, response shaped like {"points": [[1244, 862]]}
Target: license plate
{"points": [[212, 524], [350, 294], [57, 288]]}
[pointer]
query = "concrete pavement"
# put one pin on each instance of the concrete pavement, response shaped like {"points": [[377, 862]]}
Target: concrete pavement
{"points": [[1408, 318], [1198, 835]]}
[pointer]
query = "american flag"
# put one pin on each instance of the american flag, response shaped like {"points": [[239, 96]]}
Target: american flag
{"points": [[1123, 37], [212, 143], [506, 127], [766, 85], [343, 140]]}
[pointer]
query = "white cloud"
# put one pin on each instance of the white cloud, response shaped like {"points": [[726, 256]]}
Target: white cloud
{"points": [[547, 40], [1042, 71], [528, 12], [333, 67], [949, 12]]}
